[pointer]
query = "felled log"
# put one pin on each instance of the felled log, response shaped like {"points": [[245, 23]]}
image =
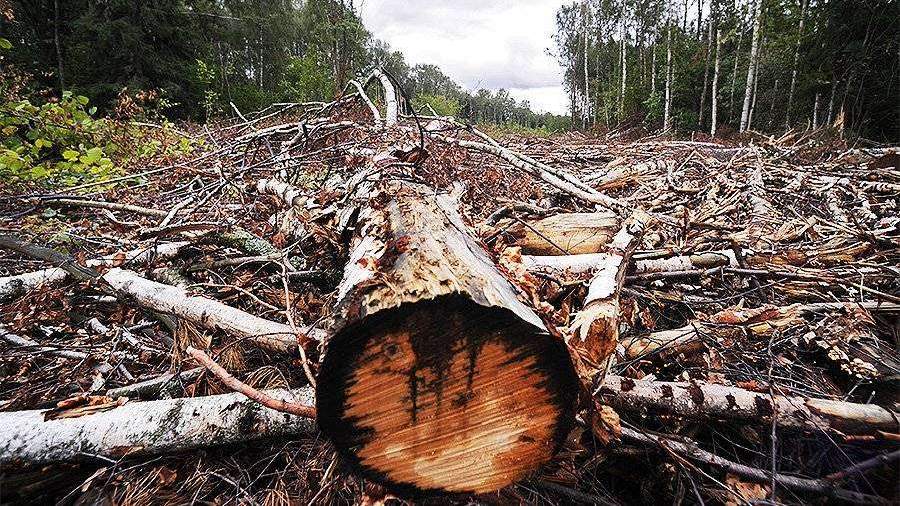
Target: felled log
{"points": [[565, 233], [579, 267], [19, 285], [697, 399], [208, 313], [437, 377], [146, 428]]}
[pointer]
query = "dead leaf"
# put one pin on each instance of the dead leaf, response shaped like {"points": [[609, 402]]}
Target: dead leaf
{"points": [[605, 424]]}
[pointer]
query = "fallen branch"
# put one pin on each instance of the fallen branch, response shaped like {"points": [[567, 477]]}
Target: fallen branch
{"points": [[19, 285], [251, 393], [595, 329], [698, 399], [694, 452]]}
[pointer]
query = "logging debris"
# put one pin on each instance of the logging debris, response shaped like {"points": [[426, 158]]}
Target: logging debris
{"points": [[731, 308]]}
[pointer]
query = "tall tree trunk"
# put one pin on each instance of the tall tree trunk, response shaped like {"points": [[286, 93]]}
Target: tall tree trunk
{"points": [[775, 99], [790, 100], [59, 59], [737, 58], [585, 113], [715, 84], [751, 67], [699, 18], [755, 89], [815, 112], [668, 104], [653, 69], [834, 85], [705, 73]]}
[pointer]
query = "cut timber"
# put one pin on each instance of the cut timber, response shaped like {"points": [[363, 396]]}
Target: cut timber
{"points": [[208, 313], [576, 268], [566, 233], [720, 401], [437, 378], [146, 428]]}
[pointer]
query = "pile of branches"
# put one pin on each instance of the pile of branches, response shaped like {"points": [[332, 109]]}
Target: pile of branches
{"points": [[731, 308]]}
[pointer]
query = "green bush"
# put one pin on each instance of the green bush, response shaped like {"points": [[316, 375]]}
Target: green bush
{"points": [[55, 142]]}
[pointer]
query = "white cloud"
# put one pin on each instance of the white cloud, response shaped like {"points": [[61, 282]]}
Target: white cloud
{"points": [[479, 43]]}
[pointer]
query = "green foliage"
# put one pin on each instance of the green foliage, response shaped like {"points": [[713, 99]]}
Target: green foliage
{"points": [[62, 142], [308, 79], [204, 78], [442, 105], [57, 141]]}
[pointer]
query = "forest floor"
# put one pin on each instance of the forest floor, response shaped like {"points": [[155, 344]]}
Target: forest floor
{"points": [[772, 267]]}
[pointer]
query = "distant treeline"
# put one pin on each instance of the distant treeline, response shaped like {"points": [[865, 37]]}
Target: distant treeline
{"points": [[765, 64], [195, 57]]}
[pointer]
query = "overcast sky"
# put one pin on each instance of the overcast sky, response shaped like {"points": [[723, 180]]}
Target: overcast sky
{"points": [[479, 43]]}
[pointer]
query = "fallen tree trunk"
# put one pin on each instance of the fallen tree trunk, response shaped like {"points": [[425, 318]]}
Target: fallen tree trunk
{"points": [[19, 285], [569, 268], [565, 233], [415, 385], [145, 428], [719, 401], [208, 313]]}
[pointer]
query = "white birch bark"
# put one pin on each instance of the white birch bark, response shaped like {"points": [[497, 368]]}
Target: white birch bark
{"points": [[668, 102], [714, 104], [624, 66], [390, 98], [697, 399], [751, 67], [147, 428], [207, 313], [20, 284]]}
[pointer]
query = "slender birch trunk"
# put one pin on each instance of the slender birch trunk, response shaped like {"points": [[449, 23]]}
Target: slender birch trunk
{"points": [[737, 57], [815, 113], [715, 84], [830, 117], [790, 100], [653, 69], [705, 73], [751, 67], [666, 118], [585, 115], [754, 94]]}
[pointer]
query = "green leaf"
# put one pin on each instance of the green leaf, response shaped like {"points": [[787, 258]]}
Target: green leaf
{"points": [[70, 154], [82, 99], [92, 155], [5, 44]]}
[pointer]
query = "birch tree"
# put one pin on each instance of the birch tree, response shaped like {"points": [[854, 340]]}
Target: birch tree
{"points": [[715, 84], [752, 66]]}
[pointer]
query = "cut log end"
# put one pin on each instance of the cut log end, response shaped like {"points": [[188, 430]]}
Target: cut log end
{"points": [[446, 395]]}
